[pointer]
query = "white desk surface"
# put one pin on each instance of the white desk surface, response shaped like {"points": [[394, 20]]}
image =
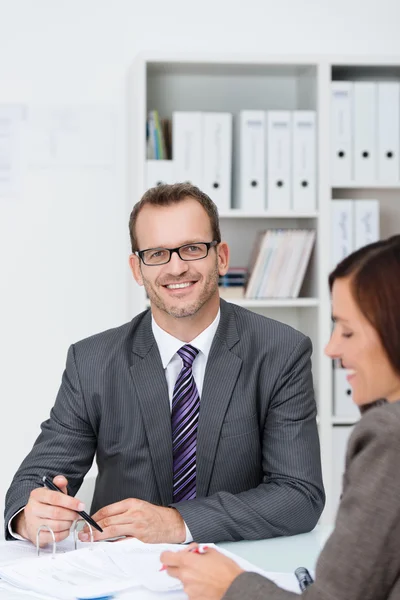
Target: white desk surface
{"points": [[283, 554]]}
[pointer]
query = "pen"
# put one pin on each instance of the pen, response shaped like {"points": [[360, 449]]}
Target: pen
{"points": [[195, 551], [52, 486], [303, 577]]}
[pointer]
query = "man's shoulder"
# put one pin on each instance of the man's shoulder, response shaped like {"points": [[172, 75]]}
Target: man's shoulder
{"points": [[110, 339], [250, 322]]}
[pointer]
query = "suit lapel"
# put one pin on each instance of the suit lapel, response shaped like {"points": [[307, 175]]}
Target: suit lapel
{"points": [[222, 371], [152, 391]]}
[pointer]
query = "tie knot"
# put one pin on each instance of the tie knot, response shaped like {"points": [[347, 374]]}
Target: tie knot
{"points": [[188, 354]]}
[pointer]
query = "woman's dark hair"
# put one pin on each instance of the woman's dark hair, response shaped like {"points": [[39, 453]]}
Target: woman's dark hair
{"points": [[165, 195], [374, 273]]}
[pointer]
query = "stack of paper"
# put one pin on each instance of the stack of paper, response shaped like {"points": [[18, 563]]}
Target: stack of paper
{"points": [[129, 568]]}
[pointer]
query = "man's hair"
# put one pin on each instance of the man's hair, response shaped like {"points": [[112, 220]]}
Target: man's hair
{"points": [[374, 272], [166, 195]]}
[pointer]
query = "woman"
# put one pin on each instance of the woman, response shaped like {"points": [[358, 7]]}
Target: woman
{"points": [[361, 559]]}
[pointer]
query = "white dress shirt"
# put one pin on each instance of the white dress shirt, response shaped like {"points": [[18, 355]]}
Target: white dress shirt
{"points": [[168, 346]]}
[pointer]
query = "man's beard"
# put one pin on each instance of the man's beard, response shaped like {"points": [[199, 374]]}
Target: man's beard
{"points": [[185, 310]]}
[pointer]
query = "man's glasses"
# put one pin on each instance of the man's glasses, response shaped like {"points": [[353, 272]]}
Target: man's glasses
{"points": [[154, 257]]}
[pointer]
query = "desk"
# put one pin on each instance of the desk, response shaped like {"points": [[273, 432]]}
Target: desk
{"points": [[283, 554]]}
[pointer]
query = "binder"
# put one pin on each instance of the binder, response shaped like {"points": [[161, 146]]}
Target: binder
{"points": [[260, 261], [341, 131], [342, 238], [54, 543], [269, 278], [187, 151], [159, 172], [365, 132], [304, 161], [252, 160], [217, 158], [366, 222], [343, 405], [279, 135], [294, 249], [308, 244], [388, 132]]}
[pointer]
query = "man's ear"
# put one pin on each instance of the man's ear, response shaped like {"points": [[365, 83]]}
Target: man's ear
{"points": [[223, 258], [134, 264]]}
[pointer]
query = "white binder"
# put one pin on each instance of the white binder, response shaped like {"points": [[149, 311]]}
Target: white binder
{"points": [[388, 132], [365, 132], [187, 151], [279, 137], [342, 230], [217, 158], [341, 131], [252, 160], [366, 222], [303, 161], [343, 405], [340, 439], [159, 172]]}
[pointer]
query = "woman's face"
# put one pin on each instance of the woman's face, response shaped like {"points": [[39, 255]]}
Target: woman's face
{"points": [[356, 343]]}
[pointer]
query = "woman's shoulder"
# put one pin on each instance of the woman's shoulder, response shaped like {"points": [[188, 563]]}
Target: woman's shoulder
{"points": [[382, 414], [381, 422]]}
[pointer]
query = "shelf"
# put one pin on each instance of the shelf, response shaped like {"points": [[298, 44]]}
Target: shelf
{"points": [[243, 214], [344, 420], [275, 302], [351, 185], [226, 63], [270, 302]]}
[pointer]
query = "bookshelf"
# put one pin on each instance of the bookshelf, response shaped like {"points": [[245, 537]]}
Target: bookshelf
{"points": [[377, 70], [230, 83]]}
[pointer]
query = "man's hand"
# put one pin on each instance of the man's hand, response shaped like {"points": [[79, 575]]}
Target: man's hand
{"points": [[46, 507], [139, 519], [204, 576]]}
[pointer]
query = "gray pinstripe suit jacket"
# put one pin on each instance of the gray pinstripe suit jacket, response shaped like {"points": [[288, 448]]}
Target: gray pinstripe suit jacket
{"points": [[258, 457]]}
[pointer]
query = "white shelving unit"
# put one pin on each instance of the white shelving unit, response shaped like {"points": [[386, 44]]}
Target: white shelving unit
{"points": [[362, 69], [344, 421], [231, 83]]}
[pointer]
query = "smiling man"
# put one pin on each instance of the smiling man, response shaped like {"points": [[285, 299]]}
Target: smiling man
{"points": [[201, 414]]}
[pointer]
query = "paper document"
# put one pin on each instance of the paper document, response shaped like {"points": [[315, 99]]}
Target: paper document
{"points": [[129, 568], [104, 570], [9, 592]]}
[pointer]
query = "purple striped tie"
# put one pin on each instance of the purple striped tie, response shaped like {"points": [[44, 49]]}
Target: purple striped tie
{"points": [[185, 416]]}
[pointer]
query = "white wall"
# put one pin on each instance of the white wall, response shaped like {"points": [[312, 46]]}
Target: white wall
{"points": [[64, 241]]}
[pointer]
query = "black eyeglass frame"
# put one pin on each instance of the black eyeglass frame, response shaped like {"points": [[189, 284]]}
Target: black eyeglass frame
{"points": [[140, 253]]}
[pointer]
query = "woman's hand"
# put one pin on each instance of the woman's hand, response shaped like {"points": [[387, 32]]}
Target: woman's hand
{"points": [[205, 576]]}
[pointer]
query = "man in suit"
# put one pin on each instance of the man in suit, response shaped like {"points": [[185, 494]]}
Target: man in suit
{"points": [[201, 414]]}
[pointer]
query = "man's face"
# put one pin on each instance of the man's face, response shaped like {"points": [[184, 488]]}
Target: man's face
{"points": [[179, 288]]}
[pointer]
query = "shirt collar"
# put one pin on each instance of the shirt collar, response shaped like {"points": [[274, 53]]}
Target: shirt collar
{"points": [[169, 345]]}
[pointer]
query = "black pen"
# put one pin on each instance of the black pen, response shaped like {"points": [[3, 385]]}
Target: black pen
{"points": [[303, 577], [52, 486]]}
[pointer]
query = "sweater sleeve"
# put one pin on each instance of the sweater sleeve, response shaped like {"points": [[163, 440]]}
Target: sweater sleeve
{"points": [[361, 559]]}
